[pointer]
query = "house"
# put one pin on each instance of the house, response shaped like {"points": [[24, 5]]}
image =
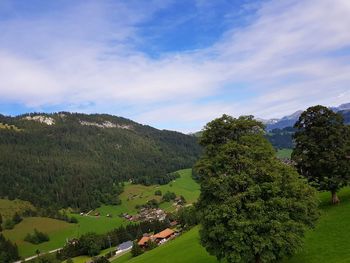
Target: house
{"points": [[143, 241], [165, 234], [125, 246]]}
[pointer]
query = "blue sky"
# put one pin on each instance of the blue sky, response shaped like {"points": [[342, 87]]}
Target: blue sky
{"points": [[173, 64]]}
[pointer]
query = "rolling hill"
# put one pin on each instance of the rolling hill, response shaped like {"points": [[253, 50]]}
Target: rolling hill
{"points": [[80, 161]]}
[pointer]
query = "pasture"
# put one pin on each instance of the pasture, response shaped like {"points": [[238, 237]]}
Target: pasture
{"points": [[284, 153], [135, 194], [185, 248], [57, 230]]}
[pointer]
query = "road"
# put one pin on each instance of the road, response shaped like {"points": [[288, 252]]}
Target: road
{"points": [[32, 257]]}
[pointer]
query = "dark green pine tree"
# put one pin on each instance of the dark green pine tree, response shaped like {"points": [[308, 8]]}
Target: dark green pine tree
{"points": [[253, 207], [322, 152], [136, 250]]}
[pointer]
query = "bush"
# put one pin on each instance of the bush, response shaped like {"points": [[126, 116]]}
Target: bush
{"points": [[9, 224], [37, 237], [73, 220], [153, 203], [168, 196], [158, 192], [16, 218], [151, 245]]}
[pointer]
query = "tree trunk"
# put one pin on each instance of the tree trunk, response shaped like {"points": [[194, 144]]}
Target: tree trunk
{"points": [[335, 199], [257, 258]]}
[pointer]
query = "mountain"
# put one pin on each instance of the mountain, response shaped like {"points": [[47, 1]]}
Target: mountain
{"points": [[81, 161], [290, 120]]}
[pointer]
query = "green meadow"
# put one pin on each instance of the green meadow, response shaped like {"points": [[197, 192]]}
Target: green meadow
{"points": [[185, 248], [135, 194], [327, 243], [284, 153], [57, 230]]}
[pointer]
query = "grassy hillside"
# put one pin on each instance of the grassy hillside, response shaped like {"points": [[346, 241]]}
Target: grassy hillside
{"points": [[57, 230], [135, 194], [284, 153], [185, 248], [9, 207], [327, 243]]}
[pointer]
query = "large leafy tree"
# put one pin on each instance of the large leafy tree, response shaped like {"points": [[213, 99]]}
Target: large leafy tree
{"points": [[253, 207], [322, 149]]}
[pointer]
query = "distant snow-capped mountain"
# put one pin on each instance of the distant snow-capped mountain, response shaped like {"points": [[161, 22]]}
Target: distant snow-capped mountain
{"points": [[290, 120]]}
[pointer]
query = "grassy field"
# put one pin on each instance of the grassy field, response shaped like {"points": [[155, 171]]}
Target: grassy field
{"points": [[284, 153], [185, 248], [9, 207], [135, 194], [58, 231], [327, 243], [83, 259]]}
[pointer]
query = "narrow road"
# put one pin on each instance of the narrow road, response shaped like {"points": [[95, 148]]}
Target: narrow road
{"points": [[32, 257]]}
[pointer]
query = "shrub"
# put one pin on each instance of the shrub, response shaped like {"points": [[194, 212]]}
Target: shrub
{"points": [[168, 196], [9, 224], [37, 237], [158, 192], [73, 220], [16, 218]]}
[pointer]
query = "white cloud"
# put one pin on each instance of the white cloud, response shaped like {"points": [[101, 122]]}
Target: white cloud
{"points": [[289, 57]]}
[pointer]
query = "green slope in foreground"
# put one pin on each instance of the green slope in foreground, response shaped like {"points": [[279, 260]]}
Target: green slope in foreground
{"points": [[327, 243], [185, 248]]}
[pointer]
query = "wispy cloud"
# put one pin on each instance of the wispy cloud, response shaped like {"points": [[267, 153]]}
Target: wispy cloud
{"points": [[291, 54]]}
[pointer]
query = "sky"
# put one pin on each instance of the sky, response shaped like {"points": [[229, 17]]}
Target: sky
{"points": [[174, 64]]}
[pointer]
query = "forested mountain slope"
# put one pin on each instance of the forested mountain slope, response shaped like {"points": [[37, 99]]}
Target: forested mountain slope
{"points": [[79, 160]]}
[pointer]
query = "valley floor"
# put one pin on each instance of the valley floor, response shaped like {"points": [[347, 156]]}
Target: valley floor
{"points": [[60, 231]]}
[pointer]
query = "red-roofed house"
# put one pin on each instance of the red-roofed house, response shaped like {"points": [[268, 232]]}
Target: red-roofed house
{"points": [[165, 234], [143, 241]]}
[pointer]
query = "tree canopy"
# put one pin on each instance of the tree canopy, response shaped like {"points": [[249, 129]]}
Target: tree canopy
{"points": [[322, 152], [253, 207]]}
